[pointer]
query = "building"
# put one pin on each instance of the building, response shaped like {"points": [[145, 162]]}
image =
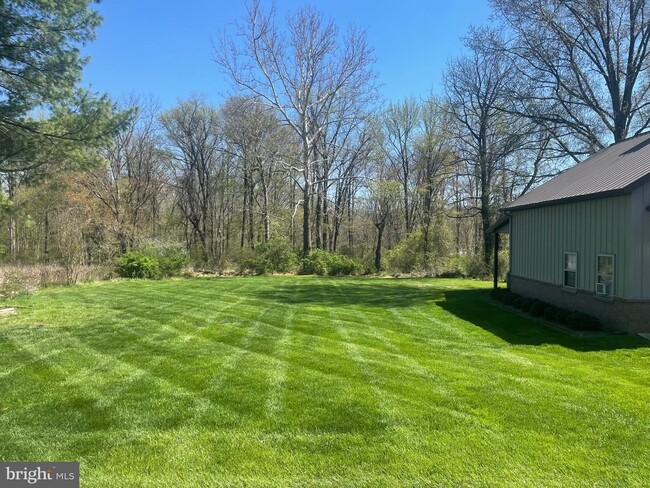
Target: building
{"points": [[581, 241]]}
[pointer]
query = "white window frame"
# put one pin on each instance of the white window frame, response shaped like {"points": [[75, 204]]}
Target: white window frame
{"points": [[567, 270], [608, 289]]}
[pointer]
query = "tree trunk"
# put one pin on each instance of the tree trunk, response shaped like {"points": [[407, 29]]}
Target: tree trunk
{"points": [[318, 217], [293, 216], [244, 211], [46, 239], [407, 215], [350, 231], [380, 235], [306, 221], [326, 226], [11, 189], [488, 238], [251, 218], [123, 240], [265, 209]]}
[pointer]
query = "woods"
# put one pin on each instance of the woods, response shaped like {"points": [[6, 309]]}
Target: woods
{"points": [[304, 154]]}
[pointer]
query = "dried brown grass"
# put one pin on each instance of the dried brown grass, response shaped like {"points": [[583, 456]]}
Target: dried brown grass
{"points": [[18, 279]]}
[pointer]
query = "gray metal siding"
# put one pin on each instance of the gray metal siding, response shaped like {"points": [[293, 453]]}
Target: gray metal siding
{"points": [[639, 266], [540, 236]]}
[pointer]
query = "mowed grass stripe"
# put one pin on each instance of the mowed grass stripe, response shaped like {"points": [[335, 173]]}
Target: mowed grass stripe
{"points": [[278, 373], [302, 381]]}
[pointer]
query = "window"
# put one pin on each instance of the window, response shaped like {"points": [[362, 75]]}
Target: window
{"points": [[605, 274], [570, 269]]}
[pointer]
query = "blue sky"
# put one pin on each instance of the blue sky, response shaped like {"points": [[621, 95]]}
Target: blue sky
{"points": [[163, 47]]}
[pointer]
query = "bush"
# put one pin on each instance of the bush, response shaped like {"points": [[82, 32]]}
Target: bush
{"points": [[504, 264], [340, 265], [172, 265], [171, 256], [526, 303], [323, 263], [550, 312], [278, 255], [455, 273], [583, 321], [476, 267], [315, 263], [537, 308], [273, 256], [407, 256], [137, 265], [502, 295], [562, 316], [498, 294]]}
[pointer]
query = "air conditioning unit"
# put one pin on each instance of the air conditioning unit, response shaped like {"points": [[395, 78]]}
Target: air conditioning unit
{"points": [[603, 288]]}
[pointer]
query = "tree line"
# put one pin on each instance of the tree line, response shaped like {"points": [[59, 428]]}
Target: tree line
{"points": [[304, 151]]}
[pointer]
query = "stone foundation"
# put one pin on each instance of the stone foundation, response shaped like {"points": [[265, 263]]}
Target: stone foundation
{"points": [[632, 316]]}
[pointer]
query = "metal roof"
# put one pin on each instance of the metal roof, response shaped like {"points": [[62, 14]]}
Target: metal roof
{"points": [[616, 169]]}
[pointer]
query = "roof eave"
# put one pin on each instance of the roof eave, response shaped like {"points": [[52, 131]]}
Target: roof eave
{"points": [[580, 198]]}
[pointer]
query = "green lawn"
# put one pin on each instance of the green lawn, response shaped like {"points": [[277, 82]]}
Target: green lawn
{"points": [[302, 381]]}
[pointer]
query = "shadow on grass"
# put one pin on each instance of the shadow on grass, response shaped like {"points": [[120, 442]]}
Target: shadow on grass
{"points": [[470, 305], [332, 292], [473, 306]]}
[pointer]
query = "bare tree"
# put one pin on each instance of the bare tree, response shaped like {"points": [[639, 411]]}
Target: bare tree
{"points": [[303, 72], [476, 86], [255, 138], [586, 64], [131, 182], [434, 158], [383, 194], [401, 125], [194, 131], [348, 177]]}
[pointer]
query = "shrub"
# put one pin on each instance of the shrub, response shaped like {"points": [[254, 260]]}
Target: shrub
{"points": [[13, 283], [562, 315], [455, 273], [537, 308], [340, 265], [502, 295], [137, 265], [315, 263], [172, 265], [407, 256], [476, 267], [273, 256], [170, 256], [594, 323], [252, 265], [455, 267], [550, 312], [583, 321], [497, 294], [504, 264], [526, 303], [323, 263]]}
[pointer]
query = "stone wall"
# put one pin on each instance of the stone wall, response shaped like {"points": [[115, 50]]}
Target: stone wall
{"points": [[616, 314]]}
